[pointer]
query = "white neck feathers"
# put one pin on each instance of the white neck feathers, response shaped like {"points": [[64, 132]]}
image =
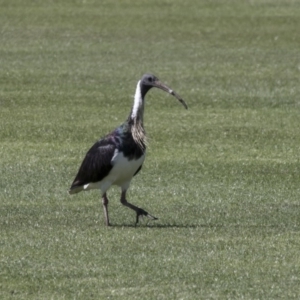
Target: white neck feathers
{"points": [[138, 132], [138, 102]]}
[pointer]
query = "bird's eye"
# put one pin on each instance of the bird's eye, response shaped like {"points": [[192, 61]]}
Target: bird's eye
{"points": [[150, 79]]}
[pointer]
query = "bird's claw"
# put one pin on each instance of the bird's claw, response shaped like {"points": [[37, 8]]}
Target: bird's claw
{"points": [[142, 213]]}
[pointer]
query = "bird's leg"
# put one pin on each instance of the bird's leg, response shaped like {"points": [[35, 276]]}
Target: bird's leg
{"points": [[105, 204], [139, 211]]}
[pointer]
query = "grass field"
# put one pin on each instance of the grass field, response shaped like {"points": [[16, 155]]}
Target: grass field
{"points": [[222, 177]]}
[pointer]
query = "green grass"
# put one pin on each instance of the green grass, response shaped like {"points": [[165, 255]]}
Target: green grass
{"points": [[222, 177]]}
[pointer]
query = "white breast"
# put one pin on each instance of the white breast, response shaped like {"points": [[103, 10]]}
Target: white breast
{"points": [[123, 169], [121, 173]]}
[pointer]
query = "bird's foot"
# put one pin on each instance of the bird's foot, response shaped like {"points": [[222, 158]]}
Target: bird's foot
{"points": [[141, 212]]}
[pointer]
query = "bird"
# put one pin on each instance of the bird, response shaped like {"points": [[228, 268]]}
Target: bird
{"points": [[117, 157]]}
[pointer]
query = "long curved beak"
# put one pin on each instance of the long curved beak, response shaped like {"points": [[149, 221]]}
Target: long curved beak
{"points": [[165, 88]]}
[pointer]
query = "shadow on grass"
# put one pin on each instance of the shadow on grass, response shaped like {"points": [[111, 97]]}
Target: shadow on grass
{"points": [[155, 225]]}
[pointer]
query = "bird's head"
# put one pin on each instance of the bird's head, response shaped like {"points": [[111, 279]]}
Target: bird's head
{"points": [[149, 81]]}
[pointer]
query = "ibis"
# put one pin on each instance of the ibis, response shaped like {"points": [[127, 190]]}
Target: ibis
{"points": [[117, 157]]}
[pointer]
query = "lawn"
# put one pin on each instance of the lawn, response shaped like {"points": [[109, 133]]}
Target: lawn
{"points": [[223, 177]]}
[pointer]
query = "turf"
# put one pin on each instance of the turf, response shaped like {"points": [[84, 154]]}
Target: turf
{"points": [[222, 177]]}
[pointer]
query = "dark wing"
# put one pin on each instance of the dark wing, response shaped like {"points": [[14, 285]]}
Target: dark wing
{"points": [[96, 164]]}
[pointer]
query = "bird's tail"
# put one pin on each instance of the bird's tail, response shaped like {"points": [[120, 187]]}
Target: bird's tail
{"points": [[75, 189]]}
